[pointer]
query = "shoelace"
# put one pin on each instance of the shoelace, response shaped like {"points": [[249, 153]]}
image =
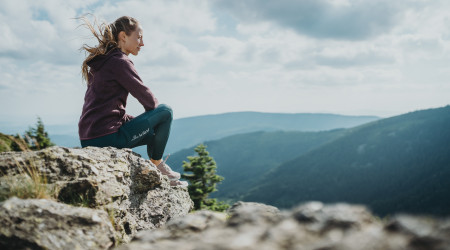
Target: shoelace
{"points": [[164, 161]]}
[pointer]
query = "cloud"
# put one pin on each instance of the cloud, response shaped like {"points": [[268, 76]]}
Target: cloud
{"points": [[170, 16], [220, 56], [348, 20], [46, 32], [354, 56], [39, 31]]}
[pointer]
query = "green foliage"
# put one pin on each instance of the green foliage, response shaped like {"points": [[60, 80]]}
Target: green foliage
{"points": [[33, 139], [203, 180], [37, 138], [79, 200], [214, 205]]}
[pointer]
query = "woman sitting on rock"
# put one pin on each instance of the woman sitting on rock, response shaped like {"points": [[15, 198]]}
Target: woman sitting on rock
{"points": [[110, 77]]}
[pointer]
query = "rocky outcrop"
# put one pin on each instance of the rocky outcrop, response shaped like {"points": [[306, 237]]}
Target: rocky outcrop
{"points": [[44, 224], [129, 188], [128, 197], [309, 226]]}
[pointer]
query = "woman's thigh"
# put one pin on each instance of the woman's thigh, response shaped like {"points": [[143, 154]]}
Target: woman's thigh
{"points": [[116, 140], [136, 132], [141, 129]]}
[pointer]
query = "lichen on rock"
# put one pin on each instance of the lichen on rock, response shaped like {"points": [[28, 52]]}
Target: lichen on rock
{"points": [[129, 188], [46, 224]]}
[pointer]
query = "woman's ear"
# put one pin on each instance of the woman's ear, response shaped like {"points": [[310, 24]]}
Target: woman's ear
{"points": [[122, 36]]}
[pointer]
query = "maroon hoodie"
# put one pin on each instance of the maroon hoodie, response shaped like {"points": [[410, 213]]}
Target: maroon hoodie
{"points": [[112, 77]]}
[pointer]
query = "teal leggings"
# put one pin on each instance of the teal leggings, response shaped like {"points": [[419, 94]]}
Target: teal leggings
{"points": [[151, 128]]}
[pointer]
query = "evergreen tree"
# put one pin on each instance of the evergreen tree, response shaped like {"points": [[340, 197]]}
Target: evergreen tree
{"points": [[203, 180], [37, 138]]}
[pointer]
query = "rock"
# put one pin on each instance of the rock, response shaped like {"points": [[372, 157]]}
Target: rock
{"points": [[132, 191], [423, 232], [309, 226], [187, 226], [197, 222], [252, 213], [45, 224], [183, 230]]}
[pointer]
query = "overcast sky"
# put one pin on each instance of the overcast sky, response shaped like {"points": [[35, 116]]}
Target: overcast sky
{"points": [[354, 57]]}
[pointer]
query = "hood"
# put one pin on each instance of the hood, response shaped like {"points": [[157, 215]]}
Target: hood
{"points": [[97, 62]]}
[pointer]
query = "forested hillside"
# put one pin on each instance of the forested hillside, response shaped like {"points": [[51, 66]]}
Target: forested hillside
{"points": [[399, 164], [243, 159], [191, 131]]}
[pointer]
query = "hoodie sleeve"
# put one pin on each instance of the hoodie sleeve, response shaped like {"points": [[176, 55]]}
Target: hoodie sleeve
{"points": [[128, 78]]}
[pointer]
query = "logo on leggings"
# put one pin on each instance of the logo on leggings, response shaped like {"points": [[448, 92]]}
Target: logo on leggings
{"points": [[140, 134]]}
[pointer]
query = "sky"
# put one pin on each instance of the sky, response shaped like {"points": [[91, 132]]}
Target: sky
{"points": [[351, 57]]}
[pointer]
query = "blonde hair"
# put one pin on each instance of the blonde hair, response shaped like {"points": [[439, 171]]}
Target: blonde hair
{"points": [[107, 36]]}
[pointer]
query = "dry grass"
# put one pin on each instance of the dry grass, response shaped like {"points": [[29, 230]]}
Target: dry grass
{"points": [[20, 142], [28, 184], [11, 143]]}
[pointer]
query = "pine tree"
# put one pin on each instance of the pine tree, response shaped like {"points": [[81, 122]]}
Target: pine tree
{"points": [[38, 138], [203, 180]]}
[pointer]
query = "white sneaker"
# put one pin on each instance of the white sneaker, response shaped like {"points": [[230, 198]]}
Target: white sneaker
{"points": [[166, 170]]}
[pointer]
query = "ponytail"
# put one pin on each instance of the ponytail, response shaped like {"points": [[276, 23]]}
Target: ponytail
{"points": [[107, 36]]}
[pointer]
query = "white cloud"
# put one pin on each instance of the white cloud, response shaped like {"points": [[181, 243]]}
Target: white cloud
{"points": [[170, 16], [199, 59], [348, 20]]}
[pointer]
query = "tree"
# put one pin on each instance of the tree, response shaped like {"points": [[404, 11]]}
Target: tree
{"points": [[37, 138], [203, 180]]}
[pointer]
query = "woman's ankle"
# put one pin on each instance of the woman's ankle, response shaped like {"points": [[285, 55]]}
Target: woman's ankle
{"points": [[156, 162]]}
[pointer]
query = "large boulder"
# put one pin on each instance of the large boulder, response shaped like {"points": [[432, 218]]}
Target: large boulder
{"points": [[45, 224], [129, 188], [309, 226]]}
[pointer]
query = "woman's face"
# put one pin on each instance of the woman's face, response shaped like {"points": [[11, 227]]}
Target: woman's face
{"points": [[132, 43]]}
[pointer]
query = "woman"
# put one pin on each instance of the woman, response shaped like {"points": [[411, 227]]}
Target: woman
{"points": [[110, 76]]}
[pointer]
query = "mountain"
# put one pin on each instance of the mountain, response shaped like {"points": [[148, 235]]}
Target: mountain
{"points": [[243, 159], [399, 164], [191, 131]]}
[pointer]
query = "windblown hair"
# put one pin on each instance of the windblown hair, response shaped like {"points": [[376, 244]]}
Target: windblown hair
{"points": [[107, 36]]}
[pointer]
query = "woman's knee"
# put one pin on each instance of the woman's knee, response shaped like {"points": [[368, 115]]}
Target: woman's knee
{"points": [[166, 109]]}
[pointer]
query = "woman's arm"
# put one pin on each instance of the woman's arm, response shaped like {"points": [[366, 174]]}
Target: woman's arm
{"points": [[128, 77]]}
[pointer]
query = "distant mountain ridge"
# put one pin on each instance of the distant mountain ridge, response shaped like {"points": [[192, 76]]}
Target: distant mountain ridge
{"points": [[190, 131], [187, 132], [244, 159], [398, 164]]}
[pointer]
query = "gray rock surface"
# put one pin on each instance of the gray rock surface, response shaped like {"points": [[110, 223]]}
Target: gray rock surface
{"points": [[308, 226], [132, 191], [45, 224]]}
